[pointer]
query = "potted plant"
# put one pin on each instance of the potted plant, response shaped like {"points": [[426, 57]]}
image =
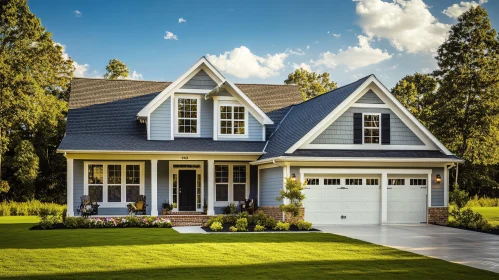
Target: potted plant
{"points": [[205, 207], [167, 208]]}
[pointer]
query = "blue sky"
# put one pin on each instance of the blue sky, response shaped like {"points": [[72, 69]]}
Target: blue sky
{"points": [[255, 41]]}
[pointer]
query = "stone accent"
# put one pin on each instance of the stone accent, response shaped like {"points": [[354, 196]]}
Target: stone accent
{"points": [[187, 220], [438, 215], [277, 214]]}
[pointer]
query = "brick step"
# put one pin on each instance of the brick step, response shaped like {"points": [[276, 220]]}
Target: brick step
{"points": [[183, 213], [187, 220]]}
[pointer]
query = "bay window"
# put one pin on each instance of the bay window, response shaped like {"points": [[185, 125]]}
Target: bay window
{"points": [[114, 183], [231, 183]]}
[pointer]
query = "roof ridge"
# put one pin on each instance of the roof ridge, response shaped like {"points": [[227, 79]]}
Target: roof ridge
{"points": [[276, 85], [118, 80], [335, 89]]}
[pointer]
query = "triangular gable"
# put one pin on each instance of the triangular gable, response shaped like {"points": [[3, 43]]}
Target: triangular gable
{"points": [[370, 97], [201, 71], [422, 132]]}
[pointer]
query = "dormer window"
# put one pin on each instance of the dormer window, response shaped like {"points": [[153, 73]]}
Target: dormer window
{"points": [[233, 119], [371, 125], [187, 115]]}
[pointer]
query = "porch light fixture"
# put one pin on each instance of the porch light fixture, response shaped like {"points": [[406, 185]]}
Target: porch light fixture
{"points": [[438, 178], [293, 177]]}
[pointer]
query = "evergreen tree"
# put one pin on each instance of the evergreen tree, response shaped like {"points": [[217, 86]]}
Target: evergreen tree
{"points": [[311, 84]]}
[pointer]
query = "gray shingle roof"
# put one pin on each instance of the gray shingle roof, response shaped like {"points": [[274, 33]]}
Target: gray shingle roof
{"points": [[371, 154], [305, 116], [103, 116]]}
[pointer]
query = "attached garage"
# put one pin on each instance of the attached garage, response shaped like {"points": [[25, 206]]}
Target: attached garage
{"points": [[332, 196]]}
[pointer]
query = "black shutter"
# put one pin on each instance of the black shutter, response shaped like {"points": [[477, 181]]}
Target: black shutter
{"points": [[385, 129], [357, 128]]}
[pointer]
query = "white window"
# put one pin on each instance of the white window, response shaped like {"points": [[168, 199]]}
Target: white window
{"points": [[233, 120], [231, 183], [114, 183], [396, 182], [371, 128], [313, 181], [353, 182], [188, 115], [372, 182], [331, 182], [418, 182]]}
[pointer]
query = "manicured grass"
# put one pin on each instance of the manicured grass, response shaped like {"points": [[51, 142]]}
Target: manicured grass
{"points": [[139, 253], [491, 214]]}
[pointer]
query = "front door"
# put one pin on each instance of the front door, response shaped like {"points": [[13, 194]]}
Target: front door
{"points": [[187, 190]]}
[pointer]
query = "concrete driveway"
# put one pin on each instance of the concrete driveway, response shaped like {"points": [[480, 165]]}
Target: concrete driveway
{"points": [[480, 250]]}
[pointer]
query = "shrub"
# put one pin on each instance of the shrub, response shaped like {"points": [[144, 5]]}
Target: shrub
{"points": [[258, 218], [242, 224], [72, 222], [483, 202], [466, 218], [293, 193], [230, 209], [230, 219], [302, 225], [216, 226], [218, 219], [282, 226], [243, 215], [259, 228], [49, 221], [233, 229], [29, 208], [270, 222]]}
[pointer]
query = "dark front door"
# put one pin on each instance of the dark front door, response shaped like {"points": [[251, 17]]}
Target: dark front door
{"points": [[187, 189]]}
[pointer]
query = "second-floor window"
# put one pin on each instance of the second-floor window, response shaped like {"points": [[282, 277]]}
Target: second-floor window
{"points": [[187, 115], [371, 128], [232, 120]]}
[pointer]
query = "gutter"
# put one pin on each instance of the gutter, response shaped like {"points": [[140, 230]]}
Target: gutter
{"points": [[156, 152], [343, 159]]}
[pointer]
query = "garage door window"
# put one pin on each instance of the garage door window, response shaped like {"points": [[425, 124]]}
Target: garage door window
{"points": [[418, 182], [313, 181], [354, 182], [331, 182], [372, 182], [396, 182]]}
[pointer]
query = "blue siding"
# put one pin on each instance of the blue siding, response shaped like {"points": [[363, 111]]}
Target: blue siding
{"points": [[437, 189], [341, 131], [370, 98], [271, 182], [200, 81], [78, 181], [163, 183], [206, 118], [254, 131], [161, 122]]}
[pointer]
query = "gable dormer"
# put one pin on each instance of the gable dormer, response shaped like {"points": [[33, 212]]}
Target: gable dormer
{"points": [[203, 104]]}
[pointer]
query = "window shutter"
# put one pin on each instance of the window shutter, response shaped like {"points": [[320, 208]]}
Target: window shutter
{"points": [[385, 129], [357, 128]]}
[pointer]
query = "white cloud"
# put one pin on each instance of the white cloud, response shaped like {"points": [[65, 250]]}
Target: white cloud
{"points": [[297, 52], [336, 35], [456, 10], [242, 63], [308, 47], [180, 20], [136, 76], [170, 36], [408, 25], [79, 69], [77, 13], [354, 57], [303, 66], [394, 67]]}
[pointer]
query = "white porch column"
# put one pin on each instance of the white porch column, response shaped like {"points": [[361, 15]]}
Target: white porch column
{"points": [[69, 191], [429, 189], [446, 186], [211, 187], [154, 187], [384, 198]]}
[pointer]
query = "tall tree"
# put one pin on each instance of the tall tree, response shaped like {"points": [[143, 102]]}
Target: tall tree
{"points": [[116, 70], [417, 93], [34, 78], [467, 101], [311, 84]]}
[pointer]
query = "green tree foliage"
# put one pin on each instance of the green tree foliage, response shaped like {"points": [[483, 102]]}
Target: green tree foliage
{"points": [[311, 84], [293, 195], [417, 93], [116, 70], [34, 78]]}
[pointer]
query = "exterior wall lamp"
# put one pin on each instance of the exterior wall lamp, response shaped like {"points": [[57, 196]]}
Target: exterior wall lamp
{"points": [[293, 177], [438, 178]]}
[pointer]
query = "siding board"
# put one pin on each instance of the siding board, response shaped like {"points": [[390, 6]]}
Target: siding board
{"points": [[370, 98], [200, 81], [161, 121], [271, 182]]}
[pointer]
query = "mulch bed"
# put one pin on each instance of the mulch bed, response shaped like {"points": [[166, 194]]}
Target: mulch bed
{"points": [[251, 229]]}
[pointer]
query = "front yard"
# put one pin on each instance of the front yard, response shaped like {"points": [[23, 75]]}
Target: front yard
{"points": [[491, 214], [144, 253]]}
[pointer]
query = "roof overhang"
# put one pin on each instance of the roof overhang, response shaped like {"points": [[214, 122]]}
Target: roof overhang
{"points": [[123, 152], [351, 159]]}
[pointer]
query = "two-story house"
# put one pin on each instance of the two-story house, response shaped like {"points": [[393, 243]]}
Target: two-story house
{"points": [[205, 140]]}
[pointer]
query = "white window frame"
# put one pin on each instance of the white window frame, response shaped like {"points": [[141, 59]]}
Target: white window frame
{"points": [[105, 164], [231, 182], [175, 170], [219, 119], [363, 128], [198, 119]]}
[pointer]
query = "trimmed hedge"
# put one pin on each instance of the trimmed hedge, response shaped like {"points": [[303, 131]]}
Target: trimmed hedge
{"points": [[53, 222], [30, 208]]}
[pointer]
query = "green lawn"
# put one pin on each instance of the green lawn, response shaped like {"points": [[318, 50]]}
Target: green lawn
{"points": [[491, 214], [137, 253]]}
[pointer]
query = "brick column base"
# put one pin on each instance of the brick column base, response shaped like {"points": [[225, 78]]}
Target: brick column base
{"points": [[438, 215], [276, 213]]}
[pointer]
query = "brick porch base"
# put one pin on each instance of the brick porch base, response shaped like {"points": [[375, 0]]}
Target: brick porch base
{"points": [[187, 220], [438, 215]]}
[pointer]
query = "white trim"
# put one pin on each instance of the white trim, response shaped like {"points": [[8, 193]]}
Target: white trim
{"points": [[148, 126], [346, 159], [384, 198], [154, 187], [231, 104], [215, 119], [370, 145], [211, 187], [159, 152], [172, 117], [174, 170], [193, 90], [231, 183], [340, 109], [198, 112], [258, 185], [446, 186], [364, 147], [70, 183], [364, 171], [429, 187], [264, 132], [123, 203], [368, 105]]}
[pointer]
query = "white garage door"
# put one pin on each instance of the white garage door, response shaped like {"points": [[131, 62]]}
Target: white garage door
{"points": [[407, 199], [342, 200]]}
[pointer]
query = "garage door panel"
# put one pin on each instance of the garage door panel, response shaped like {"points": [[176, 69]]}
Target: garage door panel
{"points": [[315, 205], [360, 205], [406, 202], [313, 217], [328, 206], [332, 217]]}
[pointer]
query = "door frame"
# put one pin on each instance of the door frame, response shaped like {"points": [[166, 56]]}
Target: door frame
{"points": [[175, 166]]}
